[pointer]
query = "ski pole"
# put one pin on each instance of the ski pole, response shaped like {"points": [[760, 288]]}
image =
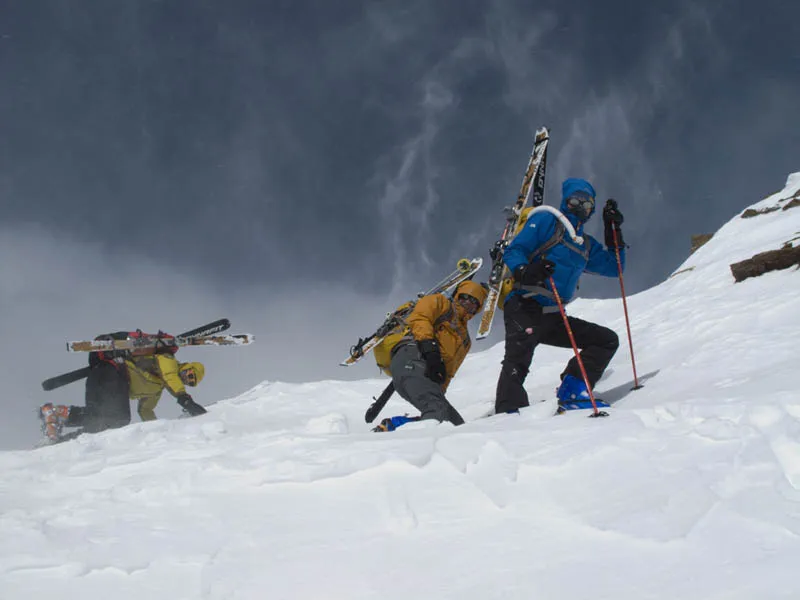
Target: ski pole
{"points": [[596, 413], [636, 385]]}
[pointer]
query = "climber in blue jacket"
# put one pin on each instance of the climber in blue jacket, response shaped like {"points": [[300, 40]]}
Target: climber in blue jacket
{"points": [[543, 249]]}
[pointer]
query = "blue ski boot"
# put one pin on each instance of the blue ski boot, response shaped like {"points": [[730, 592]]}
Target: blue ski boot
{"points": [[393, 423], [574, 395]]}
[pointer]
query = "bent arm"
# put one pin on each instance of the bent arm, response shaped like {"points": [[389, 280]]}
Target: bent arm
{"points": [[603, 261]]}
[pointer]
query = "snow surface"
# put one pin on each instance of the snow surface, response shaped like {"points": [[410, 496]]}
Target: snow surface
{"points": [[691, 489]]}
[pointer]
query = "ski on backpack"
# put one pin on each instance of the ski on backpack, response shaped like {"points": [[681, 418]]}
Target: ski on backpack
{"points": [[156, 340], [212, 328], [532, 185], [58, 381], [377, 406], [465, 268], [65, 379]]}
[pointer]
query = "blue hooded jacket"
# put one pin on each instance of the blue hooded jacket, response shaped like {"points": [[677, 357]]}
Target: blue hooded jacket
{"points": [[571, 260]]}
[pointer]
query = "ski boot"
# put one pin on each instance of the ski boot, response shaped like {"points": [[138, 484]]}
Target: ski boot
{"points": [[53, 418], [574, 395], [393, 423]]}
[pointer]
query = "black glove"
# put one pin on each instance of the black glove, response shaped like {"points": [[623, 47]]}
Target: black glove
{"points": [[534, 273], [612, 218], [434, 365], [190, 406], [496, 252]]}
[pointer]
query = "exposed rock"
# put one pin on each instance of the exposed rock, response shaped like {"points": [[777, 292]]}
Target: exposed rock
{"points": [[761, 263], [699, 240], [751, 212], [795, 202]]}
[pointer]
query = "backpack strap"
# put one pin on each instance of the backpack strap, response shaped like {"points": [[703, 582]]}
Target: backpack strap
{"points": [[556, 238], [448, 316]]}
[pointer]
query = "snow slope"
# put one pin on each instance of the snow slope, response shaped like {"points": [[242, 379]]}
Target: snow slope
{"points": [[691, 489]]}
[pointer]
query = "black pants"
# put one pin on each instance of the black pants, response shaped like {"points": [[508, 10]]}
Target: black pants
{"points": [[527, 326], [107, 402], [408, 375]]}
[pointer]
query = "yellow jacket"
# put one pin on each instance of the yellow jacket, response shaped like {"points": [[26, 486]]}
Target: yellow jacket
{"points": [[151, 375], [436, 317]]}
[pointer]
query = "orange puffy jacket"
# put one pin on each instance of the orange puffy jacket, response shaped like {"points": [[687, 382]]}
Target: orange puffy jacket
{"points": [[436, 316]]}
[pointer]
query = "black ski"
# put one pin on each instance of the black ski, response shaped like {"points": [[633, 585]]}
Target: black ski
{"points": [[65, 379], [78, 374], [376, 407], [209, 329]]}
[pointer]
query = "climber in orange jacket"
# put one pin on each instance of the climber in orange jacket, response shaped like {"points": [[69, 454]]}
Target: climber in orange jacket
{"points": [[428, 355]]}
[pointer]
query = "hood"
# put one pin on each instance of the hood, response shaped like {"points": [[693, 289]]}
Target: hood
{"points": [[199, 369], [474, 289], [569, 187]]}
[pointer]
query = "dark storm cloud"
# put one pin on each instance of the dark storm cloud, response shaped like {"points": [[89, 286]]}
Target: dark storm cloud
{"points": [[300, 166], [286, 133]]}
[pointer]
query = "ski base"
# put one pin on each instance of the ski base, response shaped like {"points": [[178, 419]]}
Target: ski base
{"points": [[241, 339]]}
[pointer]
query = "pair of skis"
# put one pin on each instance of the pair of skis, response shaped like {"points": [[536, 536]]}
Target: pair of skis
{"points": [[532, 187], [206, 335]]}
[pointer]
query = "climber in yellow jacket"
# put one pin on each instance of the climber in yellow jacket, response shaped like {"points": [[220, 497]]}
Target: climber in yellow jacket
{"points": [[432, 348], [150, 375]]}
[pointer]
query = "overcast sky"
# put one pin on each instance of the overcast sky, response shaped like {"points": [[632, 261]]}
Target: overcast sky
{"points": [[302, 166]]}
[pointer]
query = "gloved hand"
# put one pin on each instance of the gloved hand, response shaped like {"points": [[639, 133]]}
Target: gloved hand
{"points": [[534, 273], [612, 218], [190, 406], [434, 365]]}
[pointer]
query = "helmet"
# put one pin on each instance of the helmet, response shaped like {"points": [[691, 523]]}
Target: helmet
{"points": [[191, 373]]}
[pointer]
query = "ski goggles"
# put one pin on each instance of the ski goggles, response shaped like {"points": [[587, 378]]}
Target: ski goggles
{"points": [[582, 204], [188, 376], [471, 303]]}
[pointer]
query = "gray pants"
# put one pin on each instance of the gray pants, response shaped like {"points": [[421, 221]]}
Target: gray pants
{"points": [[408, 375]]}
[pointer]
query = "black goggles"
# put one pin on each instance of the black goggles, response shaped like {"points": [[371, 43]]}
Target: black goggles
{"points": [[582, 202], [189, 377], [471, 303]]}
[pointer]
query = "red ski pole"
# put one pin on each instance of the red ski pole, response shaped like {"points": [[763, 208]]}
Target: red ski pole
{"points": [[596, 413], [636, 385]]}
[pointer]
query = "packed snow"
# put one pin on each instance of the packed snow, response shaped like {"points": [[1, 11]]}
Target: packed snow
{"points": [[690, 489]]}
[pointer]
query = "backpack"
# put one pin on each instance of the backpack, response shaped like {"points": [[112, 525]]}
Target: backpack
{"points": [[383, 351]]}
